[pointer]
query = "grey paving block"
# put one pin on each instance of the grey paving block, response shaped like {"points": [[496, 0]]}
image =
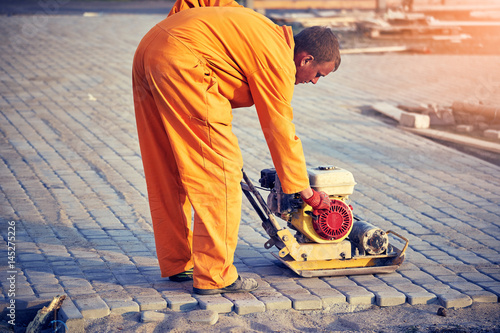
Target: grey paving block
{"points": [[435, 270], [68, 282], [24, 290], [92, 307], [313, 283], [265, 292], [150, 303], [465, 286], [119, 307], [495, 289], [305, 301], [181, 303], [416, 298], [276, 302], [204, 317], [71, 316], [287, 285], [270, 270], [272, 299], [418, 277], [245, 303], [48, 288], [216, 303], [339, 281], [153, 316], [389, 298], [357, 295], [482, 296], [451, 279], [176, 293], [454, 299], [437, 288], [328, 296]]}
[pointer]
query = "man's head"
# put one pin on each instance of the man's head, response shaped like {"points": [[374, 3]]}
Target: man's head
{"points": [[316, 54]]}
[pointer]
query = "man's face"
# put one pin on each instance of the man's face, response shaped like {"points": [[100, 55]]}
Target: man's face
{"points": [[310, 71]]}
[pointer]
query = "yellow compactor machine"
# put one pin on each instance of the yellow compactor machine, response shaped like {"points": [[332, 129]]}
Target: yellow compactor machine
{"points": [[333, 243]]}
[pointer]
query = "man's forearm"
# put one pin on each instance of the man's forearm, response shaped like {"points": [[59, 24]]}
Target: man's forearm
{"points": [[307, 193]]}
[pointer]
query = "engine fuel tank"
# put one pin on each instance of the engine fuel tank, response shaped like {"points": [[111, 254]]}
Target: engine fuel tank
{"points": [[332, 180]]}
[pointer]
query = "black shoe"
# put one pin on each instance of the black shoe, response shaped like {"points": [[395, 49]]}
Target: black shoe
{"points": [[239, 286], [181, 277]]}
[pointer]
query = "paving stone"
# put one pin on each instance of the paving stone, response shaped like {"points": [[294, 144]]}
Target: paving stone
{"points": [[245, 303], [454, 300], [495, 290], [153, 316], [313, 283], [265, 292], [71, 316], [290, 285], [205, 317], [305, 301], [415, 298], [76, 283], [418, 277], [437, 288], [339, 281], [150, 303], [181, 303], [216, 303], [482, 296], [175, 293], [389, 298], [24, 290], [287, 292], [451, 279], [92, 307], [328, 296], [437, 270], [269, 270], [48, 288], [165, 285], [395, 280], [277, 302], [357, 295], [465, 286], [123, 306]]}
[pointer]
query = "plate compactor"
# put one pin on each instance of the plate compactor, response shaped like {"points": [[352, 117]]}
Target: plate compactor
{"points": [[333, 243]]}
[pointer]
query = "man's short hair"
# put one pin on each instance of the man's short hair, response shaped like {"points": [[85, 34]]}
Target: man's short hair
{"points": [[320, 42]]}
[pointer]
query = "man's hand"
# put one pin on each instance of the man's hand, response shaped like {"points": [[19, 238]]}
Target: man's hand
{"points": [[319, 201]]}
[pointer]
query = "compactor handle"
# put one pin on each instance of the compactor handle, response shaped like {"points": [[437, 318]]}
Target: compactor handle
{"points": [[399, 259], [270, 224]]}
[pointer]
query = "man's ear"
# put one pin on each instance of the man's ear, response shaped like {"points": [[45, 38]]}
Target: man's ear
{"points": [[306, 59], [303, 58]]}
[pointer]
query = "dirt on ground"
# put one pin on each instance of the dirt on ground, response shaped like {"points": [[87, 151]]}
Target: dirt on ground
{"points": [[480, 317]]}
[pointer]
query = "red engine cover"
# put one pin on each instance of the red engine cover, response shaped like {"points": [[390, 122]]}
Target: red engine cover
{"points": [[335, 223]]}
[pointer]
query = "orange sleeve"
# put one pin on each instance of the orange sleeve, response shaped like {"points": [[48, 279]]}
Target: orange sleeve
{"points": [[272, 91], [186, 4]]}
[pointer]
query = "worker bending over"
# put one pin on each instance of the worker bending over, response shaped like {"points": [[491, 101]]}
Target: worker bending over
{"points": [[190, 71]]}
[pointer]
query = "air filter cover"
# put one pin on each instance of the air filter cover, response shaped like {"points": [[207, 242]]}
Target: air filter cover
{"points": [[336, 223]]}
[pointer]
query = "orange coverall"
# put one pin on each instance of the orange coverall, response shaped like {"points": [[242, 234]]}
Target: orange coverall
{"points": [[189, 72]]}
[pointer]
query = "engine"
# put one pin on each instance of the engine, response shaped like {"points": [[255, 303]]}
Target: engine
{"points": [[332, 226]]}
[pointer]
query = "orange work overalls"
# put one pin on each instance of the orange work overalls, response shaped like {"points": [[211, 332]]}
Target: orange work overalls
{"points": [[189, 72]]}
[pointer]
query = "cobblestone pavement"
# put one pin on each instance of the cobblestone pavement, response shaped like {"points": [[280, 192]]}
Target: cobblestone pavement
{"points": [[73, 186]]}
